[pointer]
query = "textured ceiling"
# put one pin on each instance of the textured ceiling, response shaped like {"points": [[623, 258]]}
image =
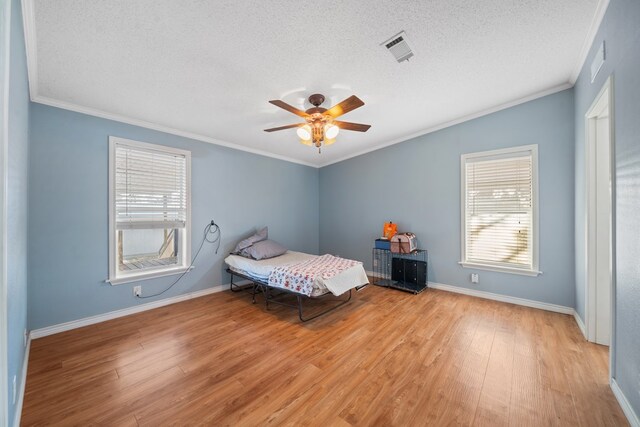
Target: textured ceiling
{"points": [[208, 68]]}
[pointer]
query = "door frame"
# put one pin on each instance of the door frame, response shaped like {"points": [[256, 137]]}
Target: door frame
{"points": [[5, 16], [605, 97]]}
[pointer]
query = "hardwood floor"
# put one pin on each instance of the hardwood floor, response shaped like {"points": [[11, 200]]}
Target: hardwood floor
{"points": [[386, 358]]}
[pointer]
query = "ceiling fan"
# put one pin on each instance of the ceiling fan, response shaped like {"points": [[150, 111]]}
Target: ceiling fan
{"points": [[320, 126]]}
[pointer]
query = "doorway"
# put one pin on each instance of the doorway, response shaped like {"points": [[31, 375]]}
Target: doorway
{"points": [[599, 238]]}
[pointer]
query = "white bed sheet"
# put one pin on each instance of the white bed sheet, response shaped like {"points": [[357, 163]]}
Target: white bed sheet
{"points": [[348, 279], [263, 268]]}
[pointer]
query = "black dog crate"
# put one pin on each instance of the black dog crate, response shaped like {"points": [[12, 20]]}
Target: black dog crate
{"points": [[407, 272]]}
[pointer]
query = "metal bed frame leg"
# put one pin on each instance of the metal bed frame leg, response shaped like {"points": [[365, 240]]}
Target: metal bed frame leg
{"points": [[269, 298], [253, 293], [254, 289], [300, 310], [266, 297]]}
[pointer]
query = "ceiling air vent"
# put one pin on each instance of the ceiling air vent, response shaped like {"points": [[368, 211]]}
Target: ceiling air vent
{"points": [[398, 47]]}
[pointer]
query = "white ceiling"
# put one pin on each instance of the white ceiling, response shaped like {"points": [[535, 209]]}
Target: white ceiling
{"points": [[206, 69]]}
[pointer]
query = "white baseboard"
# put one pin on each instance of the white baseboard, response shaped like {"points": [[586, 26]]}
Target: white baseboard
{"points": [[503, 298], [580, 323], [498, 297], [74, 324], [23, 385], [632, 417]]}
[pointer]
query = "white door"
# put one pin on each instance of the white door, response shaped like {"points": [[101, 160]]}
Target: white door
{"points": [[599, 219], [603, 230]]}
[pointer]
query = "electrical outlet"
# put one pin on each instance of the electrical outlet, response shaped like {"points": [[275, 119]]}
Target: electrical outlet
{"points": [[26, 337], [137, 291], [375, 262], [475, 278], [15, 390]]}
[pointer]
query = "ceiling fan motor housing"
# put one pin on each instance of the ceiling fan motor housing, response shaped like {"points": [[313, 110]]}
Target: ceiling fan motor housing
{"points": [[316, 99]]}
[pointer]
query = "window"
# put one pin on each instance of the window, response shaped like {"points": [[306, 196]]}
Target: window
{"points": [[499, 210], [149, 210]]}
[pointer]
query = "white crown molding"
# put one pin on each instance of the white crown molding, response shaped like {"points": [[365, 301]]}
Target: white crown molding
{"points": [[580, 324], [74, 324], [160, 128], [632, 417], [601, 9], [32, 68], [147, 125], [30, 36], [32, 73], [29, 26], [23, 385], [454, 122]]}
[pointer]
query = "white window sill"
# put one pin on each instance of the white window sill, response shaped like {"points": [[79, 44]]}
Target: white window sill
{"points": [[520, 271], [147, 275]]}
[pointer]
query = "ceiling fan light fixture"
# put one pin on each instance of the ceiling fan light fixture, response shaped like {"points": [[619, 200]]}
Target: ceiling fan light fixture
{"points": [[321, 128], [331, 131], [304, 132]]}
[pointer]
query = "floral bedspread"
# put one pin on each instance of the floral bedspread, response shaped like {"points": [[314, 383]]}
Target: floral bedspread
{"points": [[300, 277]]}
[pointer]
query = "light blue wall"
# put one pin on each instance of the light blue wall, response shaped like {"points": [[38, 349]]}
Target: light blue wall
{"points": [[68, 237], [620, 29], [18, 146], [417, 184]]}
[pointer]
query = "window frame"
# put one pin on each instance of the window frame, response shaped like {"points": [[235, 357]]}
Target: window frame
{"points": [[116, 278], [535, 242]]}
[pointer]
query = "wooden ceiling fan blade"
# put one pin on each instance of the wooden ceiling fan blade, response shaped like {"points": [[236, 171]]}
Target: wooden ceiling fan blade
{"points": [[297, 125], [358, 127], [349, 104], [289, 108]]}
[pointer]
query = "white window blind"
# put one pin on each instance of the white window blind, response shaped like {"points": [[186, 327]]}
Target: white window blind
{"points": [[150, 188], [499, 210]]}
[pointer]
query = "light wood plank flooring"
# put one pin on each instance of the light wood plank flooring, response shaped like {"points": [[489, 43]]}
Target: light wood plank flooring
{"points": [[386, 358]]}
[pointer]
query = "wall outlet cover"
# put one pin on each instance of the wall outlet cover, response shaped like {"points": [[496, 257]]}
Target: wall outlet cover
{"points": [[475, 278], [137, 291]]}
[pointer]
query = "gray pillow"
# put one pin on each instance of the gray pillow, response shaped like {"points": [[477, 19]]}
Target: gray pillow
{"points": [[262, 234], [264, 249]]}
